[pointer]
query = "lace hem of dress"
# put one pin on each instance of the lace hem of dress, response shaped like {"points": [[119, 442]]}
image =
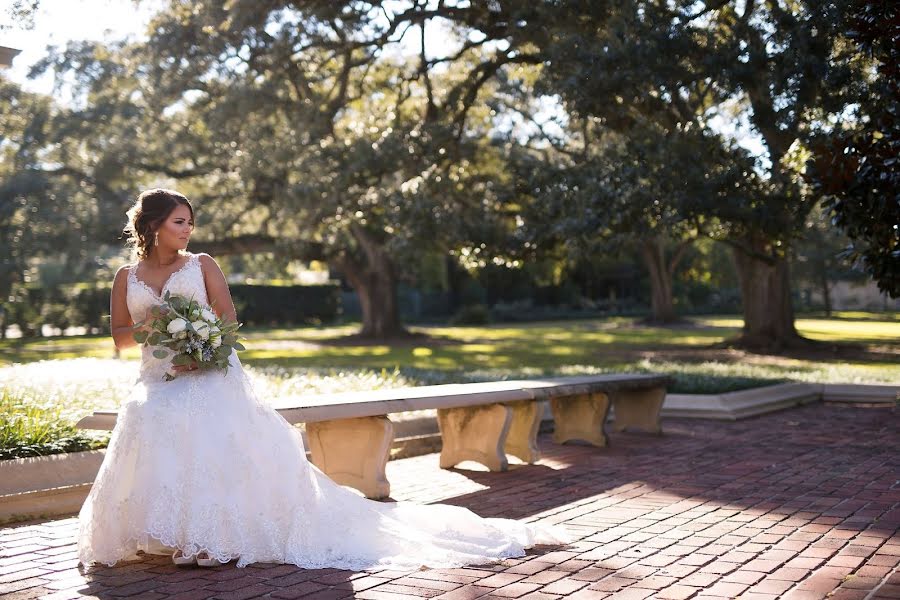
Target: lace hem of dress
{"points": [[147, 541]]}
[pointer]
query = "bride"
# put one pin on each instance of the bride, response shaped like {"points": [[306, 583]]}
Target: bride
{"points": [[201, 467]]}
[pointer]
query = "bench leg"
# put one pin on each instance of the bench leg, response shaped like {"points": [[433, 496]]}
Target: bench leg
{"points": [[580, 418], [522, 439], [354, 452], [475, 433], [638, 408]]}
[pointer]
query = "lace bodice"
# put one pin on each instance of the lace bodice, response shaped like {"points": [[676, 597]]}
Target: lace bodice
{"points": [[186, 281]]}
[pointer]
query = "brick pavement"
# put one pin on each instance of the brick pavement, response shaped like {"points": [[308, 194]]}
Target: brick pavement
{"points": [[799, 504]]}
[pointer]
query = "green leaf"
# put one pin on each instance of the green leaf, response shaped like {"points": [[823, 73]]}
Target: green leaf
{"points": [[238, 346], [182, 360], [160, 353], [141, 336]]}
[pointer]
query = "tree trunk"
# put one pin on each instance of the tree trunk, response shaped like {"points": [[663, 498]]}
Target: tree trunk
{"points": [[375, 282], [662, 303], [826, 293], [765, 295]]}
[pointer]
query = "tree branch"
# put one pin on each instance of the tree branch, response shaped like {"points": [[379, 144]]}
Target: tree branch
{"points": [[706, 9]]}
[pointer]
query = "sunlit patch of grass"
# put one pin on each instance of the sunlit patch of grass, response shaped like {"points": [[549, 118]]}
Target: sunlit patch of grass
{"points": [[831, 330], [32, 350], [846, 329], [549, 346], [865, 316], [465, 347]]}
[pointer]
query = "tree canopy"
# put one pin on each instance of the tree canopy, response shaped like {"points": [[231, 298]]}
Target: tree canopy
{"points": [[329, 130], [857, 168]]}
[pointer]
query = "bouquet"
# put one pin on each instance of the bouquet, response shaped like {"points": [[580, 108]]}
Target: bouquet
{"points": [[191, 332]]}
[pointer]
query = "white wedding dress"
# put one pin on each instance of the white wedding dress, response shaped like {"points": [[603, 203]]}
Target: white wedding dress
{"points": [[199, 463]]}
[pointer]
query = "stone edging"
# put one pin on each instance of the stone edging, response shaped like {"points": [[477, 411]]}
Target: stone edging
{"points": [[757, 401], [42, 486], [54, 485]]}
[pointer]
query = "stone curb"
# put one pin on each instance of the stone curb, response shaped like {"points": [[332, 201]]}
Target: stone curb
{"points": [[757, 401], [45, 486]]}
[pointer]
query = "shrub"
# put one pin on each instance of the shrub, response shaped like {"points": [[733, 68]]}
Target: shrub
{"points": [[472, 314], [29, 429]]}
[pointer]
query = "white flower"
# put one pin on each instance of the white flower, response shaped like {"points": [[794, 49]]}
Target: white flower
{"points": [[208, 315], [201, 328], [176, 325], [215, 341]]}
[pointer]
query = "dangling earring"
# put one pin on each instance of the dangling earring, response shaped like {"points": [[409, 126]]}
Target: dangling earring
{"points": [[156, 238]]}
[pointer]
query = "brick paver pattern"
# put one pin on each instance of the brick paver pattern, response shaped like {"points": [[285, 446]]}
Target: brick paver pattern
{"points": [[802, 504]]}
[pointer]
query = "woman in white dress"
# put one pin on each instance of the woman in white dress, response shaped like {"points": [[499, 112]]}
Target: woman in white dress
{"points": [[200, 466]]}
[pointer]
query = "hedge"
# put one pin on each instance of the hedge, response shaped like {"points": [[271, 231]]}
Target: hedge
{"points": [[273, 305], [87, 305]]}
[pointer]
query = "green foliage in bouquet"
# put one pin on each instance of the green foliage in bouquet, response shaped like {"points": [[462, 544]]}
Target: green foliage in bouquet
{"points": [[191, 332]]}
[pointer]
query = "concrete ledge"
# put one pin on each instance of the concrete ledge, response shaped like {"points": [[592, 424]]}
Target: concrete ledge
{"points": [[732, 406], [40, 504], [864, 394], [46, 486], [43, 472], [741, 404], [757, 401]]}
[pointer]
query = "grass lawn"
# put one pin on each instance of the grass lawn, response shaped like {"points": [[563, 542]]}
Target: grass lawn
{"points": [[852, 349]]}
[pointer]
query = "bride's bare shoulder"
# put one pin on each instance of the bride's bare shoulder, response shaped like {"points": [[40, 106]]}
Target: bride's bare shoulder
{"points": [[120, 281], [122, 273], [205, 258], [208, 263]]}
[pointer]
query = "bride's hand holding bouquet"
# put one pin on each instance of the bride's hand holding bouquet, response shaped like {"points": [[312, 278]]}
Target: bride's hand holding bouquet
{"points": [[191, 332]]}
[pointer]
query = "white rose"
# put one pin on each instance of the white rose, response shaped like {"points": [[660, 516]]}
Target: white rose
{"points": [[202, 329], [208, 315], [176, 325]]}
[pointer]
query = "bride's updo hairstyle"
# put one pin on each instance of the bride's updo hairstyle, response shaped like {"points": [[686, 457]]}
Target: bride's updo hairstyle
{"points": [[152, 208]]}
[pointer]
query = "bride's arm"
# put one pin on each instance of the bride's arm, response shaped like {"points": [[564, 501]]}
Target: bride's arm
{"points": [[120, 324], [217, 289]]}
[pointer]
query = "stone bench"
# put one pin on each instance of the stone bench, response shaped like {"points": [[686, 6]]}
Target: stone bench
{"points": [[350, 434]]}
